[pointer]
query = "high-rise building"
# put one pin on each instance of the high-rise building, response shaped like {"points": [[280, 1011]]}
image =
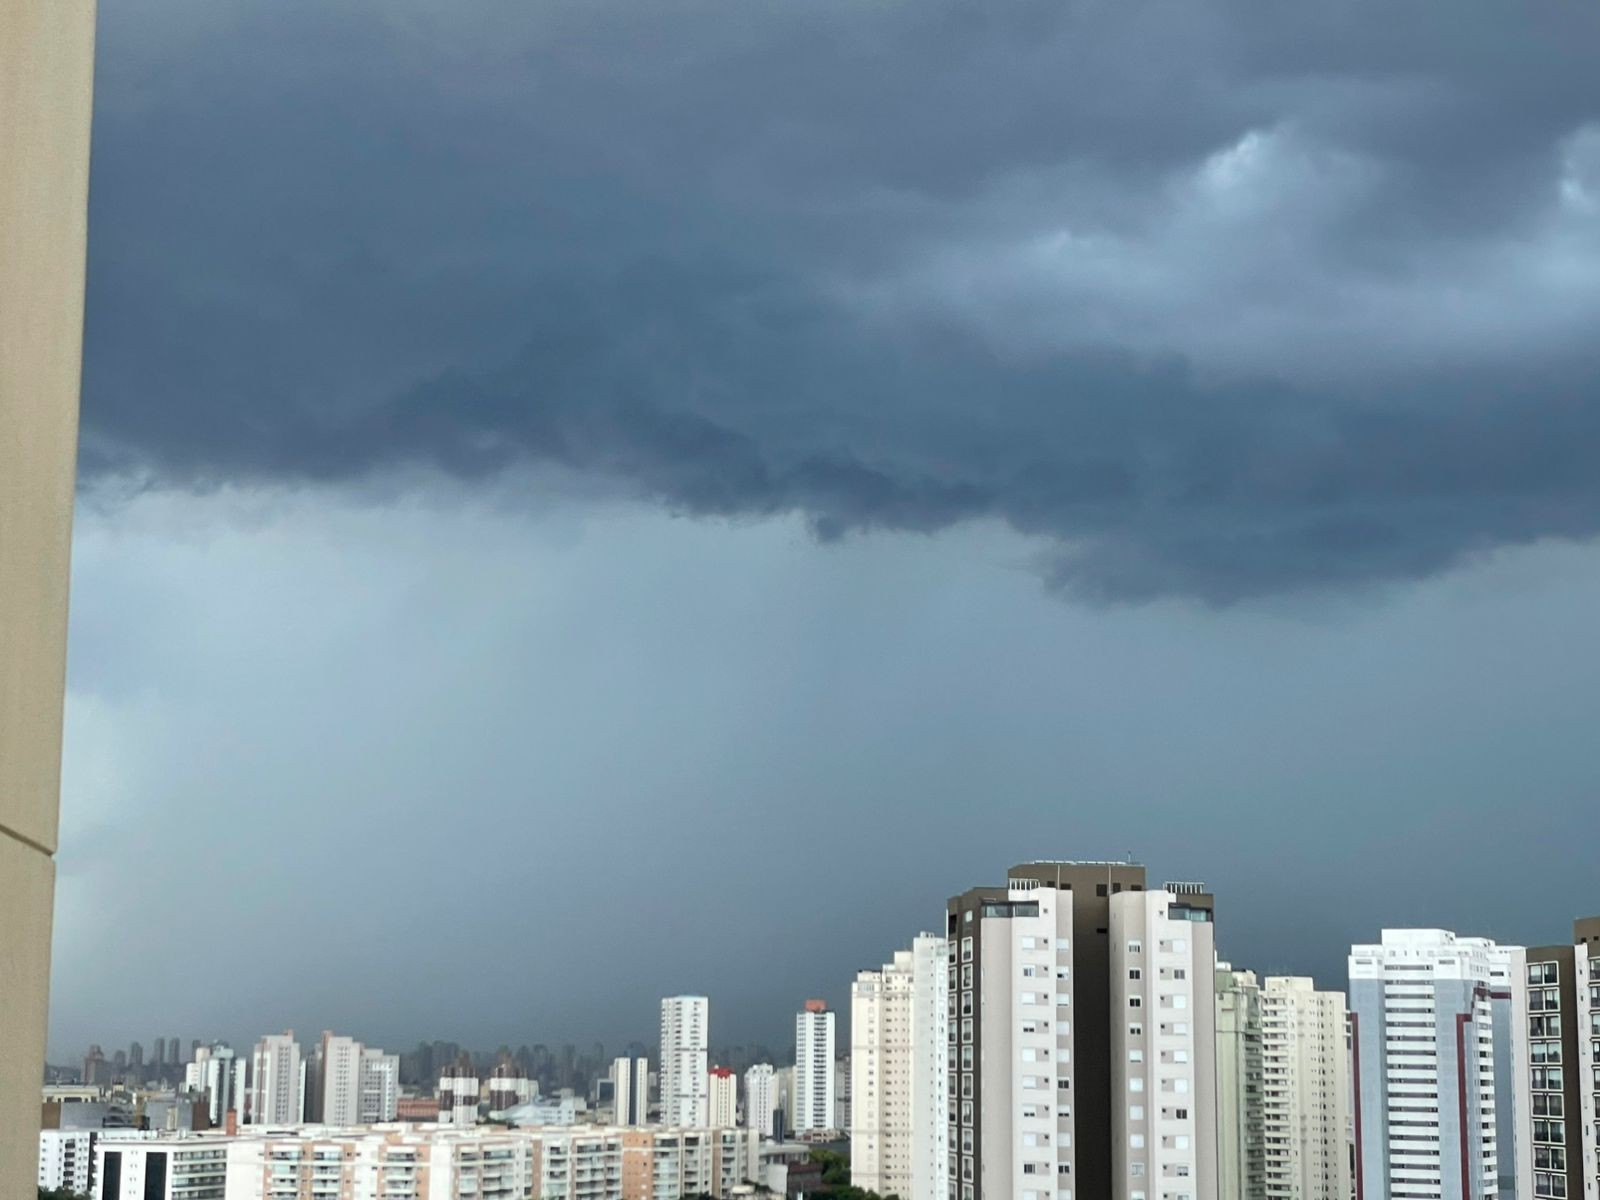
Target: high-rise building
{"points": [[379, 1086], [1163, 1039], [1558, 1077], [1241, 1136], [66, 1160], [160, 1167], [813, 1069], [508, 1089], [1029, 967], [338, 1081], [630, 1090], [1434, 1039], [685, 1033], [136, 1055], [1305, 1091], [899, 1078], [722, 1093], [222, 1079], [458, 1095], [95, 1068], [760, 1099], [277, 1081]]}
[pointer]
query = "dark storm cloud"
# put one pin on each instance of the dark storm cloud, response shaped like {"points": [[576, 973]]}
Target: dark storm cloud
{"points": [[1219, 299]]}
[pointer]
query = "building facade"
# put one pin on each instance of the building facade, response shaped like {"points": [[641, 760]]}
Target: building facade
{"points": [[722, 1091], [277, 1081], [1307, 1136], [1436, 1026], [1163, 1065], [66, 1160], [630, 1090], [760, 1098], [814, 1093], [899, 1034], [1029, 965], [1560, 989], [1241, 1133], [685, 1034]]}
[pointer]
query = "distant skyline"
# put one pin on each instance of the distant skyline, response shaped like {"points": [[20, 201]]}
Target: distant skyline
{"points": [[586, 501]]}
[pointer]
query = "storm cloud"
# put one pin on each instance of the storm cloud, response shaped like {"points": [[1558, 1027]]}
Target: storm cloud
{"points": [[1218, 300]]}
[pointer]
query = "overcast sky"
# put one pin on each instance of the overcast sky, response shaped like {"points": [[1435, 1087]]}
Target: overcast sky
{"points": [[586, 499]]}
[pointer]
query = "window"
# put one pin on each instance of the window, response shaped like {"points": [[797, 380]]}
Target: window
{"points": [[1135, 1112], [1136, 1141], [1134, 973], [1135, 1029], [1135, 1002], [1136, 1056], [1135, 946], [1136, 1084]]}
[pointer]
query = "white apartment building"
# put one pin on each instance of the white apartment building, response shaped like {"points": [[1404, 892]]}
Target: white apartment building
{"points": [[167, 1168], [1163, 1065], [458, 1094], [760, 1098], [630, 1090], [722, 1090], [398, 1163], [66, 1160], [1306, 1122], [379, 1086], [1436, 1026], [277, 1081], [814, 1093], [783, 1084], [899, 1080], [685, 1034], [339, 1103]]}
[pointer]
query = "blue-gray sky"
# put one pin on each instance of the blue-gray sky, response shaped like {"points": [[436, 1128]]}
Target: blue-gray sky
{"points": [[576, 496]]}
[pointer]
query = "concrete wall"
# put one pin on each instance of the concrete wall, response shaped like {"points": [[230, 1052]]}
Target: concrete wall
{"points": [[46, 72]]}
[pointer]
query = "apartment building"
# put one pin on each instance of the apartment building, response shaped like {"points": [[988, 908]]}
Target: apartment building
{"points": [[1560, 990], [722, 1091], [760, 1098], [899, 1035], [685, 1034], [668, 1164], [277, 1081], [1436, 1028], [378, 1087], [1163, 1038], [176, 1168], [396, 1163], [1241, 1134], [814, 1092], [66, 1160], [458, 1094], [1306, 1123], [630, 1090]]}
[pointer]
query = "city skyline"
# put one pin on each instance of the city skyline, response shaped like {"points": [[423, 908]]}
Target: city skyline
{"points": [[779, 1036], [1108, 428]]}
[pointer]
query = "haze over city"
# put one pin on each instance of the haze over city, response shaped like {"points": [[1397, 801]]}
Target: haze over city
{"points": [[581, 502]]}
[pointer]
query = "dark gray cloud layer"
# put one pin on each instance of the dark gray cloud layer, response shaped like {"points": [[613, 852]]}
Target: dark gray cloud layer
{"points": [[1219, 299]]}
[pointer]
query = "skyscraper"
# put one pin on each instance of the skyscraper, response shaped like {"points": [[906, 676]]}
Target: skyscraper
{"points": [[379, 1086], [630, 1089], [685, 1022], [338, 1082], [813, 1069], [222, 1076], [1241, 1126], [760, 1099], [1558, 1078], [1030, 966], [1306, 1091], [1434, 1039], [277, 1081], [1163, 1040], [899, 1031], [722, 1089]]}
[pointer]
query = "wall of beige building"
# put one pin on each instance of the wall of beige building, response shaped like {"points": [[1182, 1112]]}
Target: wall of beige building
{"points": [[46, 79]]}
